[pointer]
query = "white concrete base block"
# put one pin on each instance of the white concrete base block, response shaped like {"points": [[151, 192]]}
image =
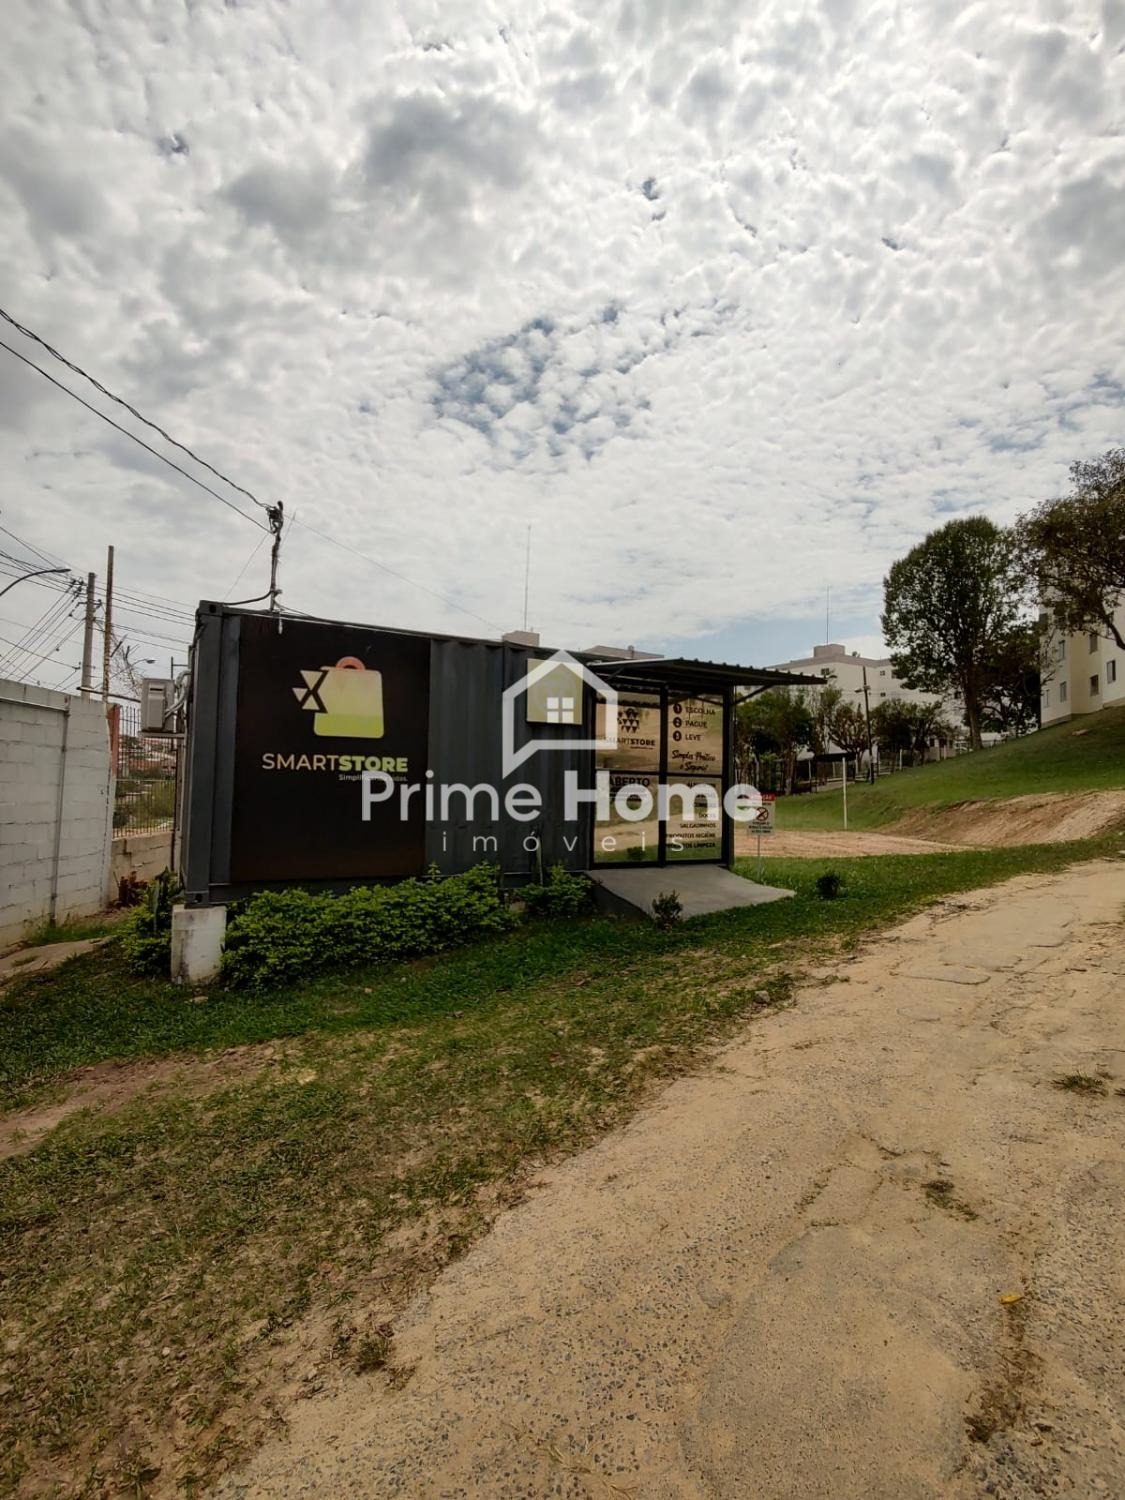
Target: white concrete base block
{"points": [[197, 942]]}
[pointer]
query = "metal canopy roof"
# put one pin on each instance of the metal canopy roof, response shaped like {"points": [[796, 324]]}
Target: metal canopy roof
{"points": [[695, 676]]}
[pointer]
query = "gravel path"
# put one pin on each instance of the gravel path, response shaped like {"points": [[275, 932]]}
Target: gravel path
{"points": [[788, 1277]]}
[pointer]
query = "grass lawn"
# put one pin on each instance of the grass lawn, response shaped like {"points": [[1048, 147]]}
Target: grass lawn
{"points": [[162, 1260], [1088, 754]]}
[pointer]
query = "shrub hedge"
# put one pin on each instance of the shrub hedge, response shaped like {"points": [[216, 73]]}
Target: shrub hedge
{"points": [[561, 894], [279, 935]]}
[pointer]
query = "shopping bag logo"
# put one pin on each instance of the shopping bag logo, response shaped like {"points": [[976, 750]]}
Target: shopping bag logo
{"points": [[346, 700]]}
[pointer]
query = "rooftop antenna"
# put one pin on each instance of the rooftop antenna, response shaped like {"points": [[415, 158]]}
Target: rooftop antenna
{"points": [[526, 575]]}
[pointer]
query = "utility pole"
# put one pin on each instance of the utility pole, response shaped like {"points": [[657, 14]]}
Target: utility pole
{"points": [[276, 515], [870, 742], [107, 624], [88, 639]]}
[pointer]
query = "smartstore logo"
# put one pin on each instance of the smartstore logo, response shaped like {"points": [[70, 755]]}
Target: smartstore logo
{"points": [[555, 693]]}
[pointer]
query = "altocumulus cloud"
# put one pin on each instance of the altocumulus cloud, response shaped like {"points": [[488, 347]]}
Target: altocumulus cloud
{"points": [[730, 302]]}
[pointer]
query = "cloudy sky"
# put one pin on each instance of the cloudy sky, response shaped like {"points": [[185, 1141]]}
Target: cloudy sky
{"points": [[730, 303]]}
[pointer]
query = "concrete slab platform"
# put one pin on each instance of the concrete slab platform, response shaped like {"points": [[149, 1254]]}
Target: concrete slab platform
{"points": [[631, 890]]}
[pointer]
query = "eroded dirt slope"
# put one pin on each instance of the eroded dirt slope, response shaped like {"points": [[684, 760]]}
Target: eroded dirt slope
{"points": [[1044, 818]]}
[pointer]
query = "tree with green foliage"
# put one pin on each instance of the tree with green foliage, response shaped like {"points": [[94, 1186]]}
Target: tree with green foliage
{"points": [[1074, 547], [946, 604], [1012, 697], [824, 703], [909, 729], [849, 729], [928, 724], [892, 724], [777, 722]]}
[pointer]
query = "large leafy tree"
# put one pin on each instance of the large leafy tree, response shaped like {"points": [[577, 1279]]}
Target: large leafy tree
{"points": [[1012, 697], [849, 728], [945, 604], [823, 704], [1074, 547], [893, 725], [778, 722], [928, 723]]}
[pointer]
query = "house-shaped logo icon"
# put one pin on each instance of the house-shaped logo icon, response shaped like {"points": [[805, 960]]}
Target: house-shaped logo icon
{"points": [[561, 707]]}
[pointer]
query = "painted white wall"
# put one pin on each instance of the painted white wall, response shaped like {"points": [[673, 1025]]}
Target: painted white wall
{"points": [[56, 807], [846, 673], [1077, 663]]}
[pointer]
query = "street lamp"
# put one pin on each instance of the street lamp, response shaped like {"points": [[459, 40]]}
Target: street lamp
{"points": [[35, 573]]}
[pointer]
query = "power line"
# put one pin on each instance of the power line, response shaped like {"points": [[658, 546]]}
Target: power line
{"points": [[39, 630], [47, 557], [272, 511], [55, 649], [85, 374], [39, 655], [433, 593], [257, 548], [163, 457]]}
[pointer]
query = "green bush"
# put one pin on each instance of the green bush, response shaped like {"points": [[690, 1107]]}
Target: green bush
{"points": [[561, 895], [146, 936], [279, 935], [667, 909]]}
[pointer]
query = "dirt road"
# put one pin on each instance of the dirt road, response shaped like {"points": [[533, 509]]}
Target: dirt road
{"points": [[788, 1277], [799, 843]]}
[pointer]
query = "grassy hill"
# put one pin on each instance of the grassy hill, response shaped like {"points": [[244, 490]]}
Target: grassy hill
{"points": [[1086, 754]]}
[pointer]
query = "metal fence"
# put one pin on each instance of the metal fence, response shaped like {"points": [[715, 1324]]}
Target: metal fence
{"points": [[147, 769]]}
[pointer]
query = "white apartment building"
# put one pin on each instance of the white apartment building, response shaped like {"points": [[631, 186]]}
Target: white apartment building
{"points": [[845, 669], [1082, 673]]}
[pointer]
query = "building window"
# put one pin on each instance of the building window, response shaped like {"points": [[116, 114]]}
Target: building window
{"points": [[882, 671], [1111, 671], [1062, 649], [1062, 692], [1093, 640], [1094, 686]]}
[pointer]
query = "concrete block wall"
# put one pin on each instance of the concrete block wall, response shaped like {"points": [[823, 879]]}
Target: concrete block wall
{"points": [[142, 854], [43, 789]]}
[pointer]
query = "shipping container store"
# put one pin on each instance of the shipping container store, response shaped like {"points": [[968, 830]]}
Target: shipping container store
{"points": [[285, 714]]}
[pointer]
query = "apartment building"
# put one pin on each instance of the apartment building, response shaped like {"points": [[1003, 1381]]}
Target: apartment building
{"points": [[1082, 673], [845, 669]]}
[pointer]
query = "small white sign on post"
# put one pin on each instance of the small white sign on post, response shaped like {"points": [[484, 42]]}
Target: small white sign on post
{"points": [[762, 824]]}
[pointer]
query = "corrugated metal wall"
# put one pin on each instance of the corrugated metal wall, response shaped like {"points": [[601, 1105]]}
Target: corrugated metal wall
{"points": [[467, 683]]}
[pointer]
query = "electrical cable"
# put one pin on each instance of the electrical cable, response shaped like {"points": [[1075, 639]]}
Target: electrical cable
{"points": [[41, 657], [52, 655], [98, 386], [347, 547], [324, 535], [163, 457], [258, 545], [47, 557], [39, 631]]}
